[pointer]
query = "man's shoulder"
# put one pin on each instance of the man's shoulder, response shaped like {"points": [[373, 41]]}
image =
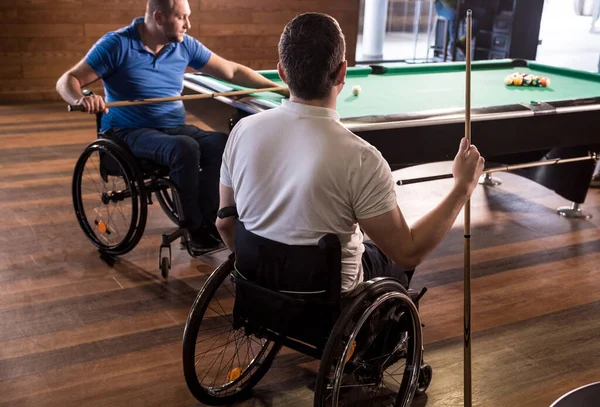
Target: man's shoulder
{"points": [[189, 40], [337, 132], [119, 36], [115, 38], [260, 119]]}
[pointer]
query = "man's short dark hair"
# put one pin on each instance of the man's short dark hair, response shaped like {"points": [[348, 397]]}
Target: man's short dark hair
{"points": [[311, 50], [164, 6]]}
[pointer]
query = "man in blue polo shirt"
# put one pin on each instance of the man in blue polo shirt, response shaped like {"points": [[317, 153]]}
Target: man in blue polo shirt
{"points": [[148, 60]]}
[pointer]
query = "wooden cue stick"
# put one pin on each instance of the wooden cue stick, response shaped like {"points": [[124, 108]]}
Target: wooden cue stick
{"points": [[514, 167], [81, 108], [467, 231]]}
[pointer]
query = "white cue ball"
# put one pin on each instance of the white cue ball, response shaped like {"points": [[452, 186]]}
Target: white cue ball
{"points": [[356, 90]]}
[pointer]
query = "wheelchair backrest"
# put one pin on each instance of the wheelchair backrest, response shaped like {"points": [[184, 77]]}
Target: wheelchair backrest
{"points": [[293, 291], [297, 270]]}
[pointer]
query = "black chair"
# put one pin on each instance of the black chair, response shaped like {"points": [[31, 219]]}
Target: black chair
{"points": [[268, 295]]}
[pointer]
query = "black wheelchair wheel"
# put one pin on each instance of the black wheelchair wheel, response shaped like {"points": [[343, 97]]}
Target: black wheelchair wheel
{"points": [[373, 355], [167, 203], [222, 364], [424, 379], [109, 198]]}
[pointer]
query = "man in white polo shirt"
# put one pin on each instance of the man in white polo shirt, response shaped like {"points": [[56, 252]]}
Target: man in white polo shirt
{"points": [[296, 173]]}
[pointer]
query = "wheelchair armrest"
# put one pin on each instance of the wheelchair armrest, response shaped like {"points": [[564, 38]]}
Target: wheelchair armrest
{"points": [[227, 212]]}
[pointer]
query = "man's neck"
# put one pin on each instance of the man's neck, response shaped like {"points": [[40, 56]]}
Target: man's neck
{"points": [[329, 101], [153, 40]]}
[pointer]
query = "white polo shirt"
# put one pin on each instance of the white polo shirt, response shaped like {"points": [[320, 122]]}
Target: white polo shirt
{"points": [[297, 174]]}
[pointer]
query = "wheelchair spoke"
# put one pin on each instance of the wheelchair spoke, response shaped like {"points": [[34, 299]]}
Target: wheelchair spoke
{"points": [[254, 339], [96, 171], [111, 221], [98, 189], [222, 365], [239, 362], [232, 295], [393, 378], [118, 206], [217, 336], [225, 317], [232, 360], [220, 370], [229, 341], [403, 366], [213, 360], [104, 212]]}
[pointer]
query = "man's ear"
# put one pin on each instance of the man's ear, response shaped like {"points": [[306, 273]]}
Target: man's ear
{"points": [[281, 73], [159, 17], [340, 77]]}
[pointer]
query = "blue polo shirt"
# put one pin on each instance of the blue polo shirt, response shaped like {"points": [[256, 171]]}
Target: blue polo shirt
{"points": [[131, 72]]}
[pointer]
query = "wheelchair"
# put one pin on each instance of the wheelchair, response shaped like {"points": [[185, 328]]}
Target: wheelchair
{"points": [[111, 191], [268, 295]]}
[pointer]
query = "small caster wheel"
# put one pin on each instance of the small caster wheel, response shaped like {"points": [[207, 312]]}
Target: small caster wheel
{"points": [[424, 379], [164, 267]]}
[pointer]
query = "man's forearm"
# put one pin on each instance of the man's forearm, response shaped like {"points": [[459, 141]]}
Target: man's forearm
{"points": [[429, 231], [249, 78], [69, 89], [226, 229]]}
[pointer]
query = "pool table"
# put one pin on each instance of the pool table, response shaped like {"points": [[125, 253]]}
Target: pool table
{"points": [[414, 114]]}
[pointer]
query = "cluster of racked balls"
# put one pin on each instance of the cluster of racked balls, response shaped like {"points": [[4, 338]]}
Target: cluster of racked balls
{"points": [[526, 79]]}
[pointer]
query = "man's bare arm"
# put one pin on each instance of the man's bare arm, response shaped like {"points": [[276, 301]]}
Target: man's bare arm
{"points": [[226, 226], [69, 87], [408, 247], [238, 74]]}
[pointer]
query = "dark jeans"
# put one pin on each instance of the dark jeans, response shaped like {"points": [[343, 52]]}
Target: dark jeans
{"points": [[193, 157], [377, 264]]}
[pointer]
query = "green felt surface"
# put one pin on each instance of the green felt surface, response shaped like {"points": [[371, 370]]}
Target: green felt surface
{"points": [[416, 88]]}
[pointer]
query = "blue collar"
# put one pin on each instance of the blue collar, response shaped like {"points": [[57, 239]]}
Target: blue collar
{"points": [[136, 39]]}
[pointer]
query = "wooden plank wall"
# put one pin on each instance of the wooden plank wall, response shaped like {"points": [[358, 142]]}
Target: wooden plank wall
{"points": [[40, 39]]}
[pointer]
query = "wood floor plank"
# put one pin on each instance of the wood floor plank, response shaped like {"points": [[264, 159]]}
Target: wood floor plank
{"points": [[506, 365], [514, 295], [89, 333]]}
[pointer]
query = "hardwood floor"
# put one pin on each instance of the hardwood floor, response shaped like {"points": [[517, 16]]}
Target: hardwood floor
{"points": [[76, 332]]}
